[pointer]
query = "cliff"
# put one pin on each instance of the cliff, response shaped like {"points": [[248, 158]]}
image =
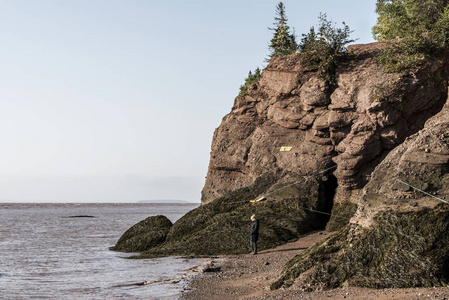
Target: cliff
{"points": [[353, 126], [399, 236], [312, 149]]}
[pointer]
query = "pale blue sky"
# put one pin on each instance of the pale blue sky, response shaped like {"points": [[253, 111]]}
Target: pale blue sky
{"points": [[117, 101]]}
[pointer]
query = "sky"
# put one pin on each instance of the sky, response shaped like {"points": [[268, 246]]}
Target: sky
{"points": [[117, 100]]}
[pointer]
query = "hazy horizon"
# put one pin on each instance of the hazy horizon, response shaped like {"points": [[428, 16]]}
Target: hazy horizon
{"points": [[117, 101]]}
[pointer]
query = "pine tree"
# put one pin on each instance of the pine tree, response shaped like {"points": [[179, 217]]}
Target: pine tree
{"points": [[283, 42], [324, 48], [252, 78]]}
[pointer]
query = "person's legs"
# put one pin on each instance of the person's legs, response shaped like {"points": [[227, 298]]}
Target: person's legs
{"points": [[253, 244]]}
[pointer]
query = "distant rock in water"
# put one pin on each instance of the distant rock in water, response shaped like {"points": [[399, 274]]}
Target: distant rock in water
{"points": [[80, 216], [163, 201], [144, 235]]}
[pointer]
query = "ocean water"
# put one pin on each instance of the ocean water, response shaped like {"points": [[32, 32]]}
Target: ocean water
{"points": [[45, 253]]}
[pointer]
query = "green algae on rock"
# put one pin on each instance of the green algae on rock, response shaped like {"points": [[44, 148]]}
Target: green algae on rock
{"points": [[144, 235], [408, 249], [341, 214]]}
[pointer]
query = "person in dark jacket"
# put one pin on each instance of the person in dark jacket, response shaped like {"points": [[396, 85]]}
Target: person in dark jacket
{"points": [[254, 233]]}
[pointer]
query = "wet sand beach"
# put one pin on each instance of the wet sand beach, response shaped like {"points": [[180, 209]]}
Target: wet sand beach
{"points": [[249, 277]]}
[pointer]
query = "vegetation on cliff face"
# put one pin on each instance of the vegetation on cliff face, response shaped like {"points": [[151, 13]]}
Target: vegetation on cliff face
{"points": [[282, 43], [321, 49], [412, 19], [419, 29], [252, 78]]}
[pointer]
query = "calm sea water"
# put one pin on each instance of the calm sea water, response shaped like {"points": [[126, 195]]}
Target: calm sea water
{"points": [[46, 255]]}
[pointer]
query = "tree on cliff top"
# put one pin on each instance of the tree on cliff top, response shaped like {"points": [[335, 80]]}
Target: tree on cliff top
{"points": [[323, 48], [283, 42], [252, 78], [420, 27], [412, 18]]}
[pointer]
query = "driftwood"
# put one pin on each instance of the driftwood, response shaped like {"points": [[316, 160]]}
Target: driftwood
{"points": [[153, 281], [204, 269]]}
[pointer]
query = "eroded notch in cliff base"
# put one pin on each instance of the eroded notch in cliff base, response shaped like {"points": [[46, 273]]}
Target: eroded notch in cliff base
{"points": [[326, 202]]}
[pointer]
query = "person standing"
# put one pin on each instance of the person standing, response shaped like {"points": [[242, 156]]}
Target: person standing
{"points": [[254, 234]]}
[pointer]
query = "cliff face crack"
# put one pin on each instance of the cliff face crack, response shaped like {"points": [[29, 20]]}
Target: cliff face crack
{"points": [[229, 169], [327, 192]]}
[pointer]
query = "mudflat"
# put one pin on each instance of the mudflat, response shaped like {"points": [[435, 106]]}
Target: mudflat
{"points": [[249, 277]]}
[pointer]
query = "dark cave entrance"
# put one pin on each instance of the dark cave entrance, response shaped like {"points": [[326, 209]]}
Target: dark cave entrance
{"points": [[327, 192]]}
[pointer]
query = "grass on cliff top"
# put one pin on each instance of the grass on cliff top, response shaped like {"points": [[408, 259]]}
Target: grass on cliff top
{"points": [[404, 250]]}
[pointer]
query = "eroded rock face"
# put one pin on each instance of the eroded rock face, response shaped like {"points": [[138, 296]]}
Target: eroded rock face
{"points": [[422, 161], [399, 235], [353, 126]]}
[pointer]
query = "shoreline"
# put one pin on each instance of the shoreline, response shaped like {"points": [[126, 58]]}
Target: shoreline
{"points": [[249, 276]]}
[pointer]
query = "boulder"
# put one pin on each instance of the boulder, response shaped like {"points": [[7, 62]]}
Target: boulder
{"points": [[144, 235]]}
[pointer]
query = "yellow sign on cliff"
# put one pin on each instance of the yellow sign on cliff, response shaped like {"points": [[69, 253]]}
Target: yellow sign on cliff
{"points": [[285, 149]]}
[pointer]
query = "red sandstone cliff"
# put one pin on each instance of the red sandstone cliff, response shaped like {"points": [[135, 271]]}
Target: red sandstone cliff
{"points": [[353, 126]]}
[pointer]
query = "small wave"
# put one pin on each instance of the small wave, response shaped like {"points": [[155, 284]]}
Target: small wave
{"points": [[80, 216]]}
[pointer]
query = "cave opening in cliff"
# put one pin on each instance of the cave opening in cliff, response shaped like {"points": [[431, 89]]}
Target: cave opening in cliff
{"points": [[327, 193]]}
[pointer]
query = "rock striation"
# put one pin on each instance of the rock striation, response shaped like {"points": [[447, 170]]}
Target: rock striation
{"points": [[399, 236]]}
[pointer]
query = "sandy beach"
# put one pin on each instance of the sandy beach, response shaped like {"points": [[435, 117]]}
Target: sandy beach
{"points": [[249, 277]]}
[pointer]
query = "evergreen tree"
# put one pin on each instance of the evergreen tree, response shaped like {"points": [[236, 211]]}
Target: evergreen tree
{"points": [[252, 78], [419, 28], [323, 49], [283, 42]]}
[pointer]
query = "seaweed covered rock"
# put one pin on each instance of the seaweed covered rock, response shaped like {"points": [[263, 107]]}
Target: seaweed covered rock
{"points": [[144, 235], [341, 213], [222, 226], [404, 249], [399, 235]]}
